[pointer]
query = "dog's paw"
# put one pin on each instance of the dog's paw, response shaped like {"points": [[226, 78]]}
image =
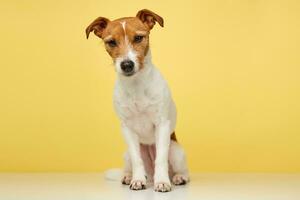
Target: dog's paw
{"points": [[180, 179], [126, 179], [137, 185], [162, 187]]}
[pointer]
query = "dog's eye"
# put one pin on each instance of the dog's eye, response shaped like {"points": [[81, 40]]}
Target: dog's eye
{"points": [[112, 43], [138, 38]]}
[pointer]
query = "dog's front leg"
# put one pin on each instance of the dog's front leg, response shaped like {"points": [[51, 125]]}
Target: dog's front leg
{"points": [[162, 139], [138, 181]]}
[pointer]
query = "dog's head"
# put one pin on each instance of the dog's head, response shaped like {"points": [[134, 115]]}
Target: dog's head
{"points": [[126, 39]]}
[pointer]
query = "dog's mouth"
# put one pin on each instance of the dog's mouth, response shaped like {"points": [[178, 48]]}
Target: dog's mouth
{"points": [[128, 73]]}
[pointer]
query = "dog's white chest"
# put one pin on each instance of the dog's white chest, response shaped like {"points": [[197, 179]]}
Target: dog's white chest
{"points": [[138, 112], [143, 103], [141, 114]]}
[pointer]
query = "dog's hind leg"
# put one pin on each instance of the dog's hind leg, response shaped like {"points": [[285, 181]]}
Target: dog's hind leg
{"points": [[178, 164]]}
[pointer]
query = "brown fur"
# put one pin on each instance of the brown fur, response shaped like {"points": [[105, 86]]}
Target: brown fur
{"points": [[144, 21], [149, 18], [173, 137]]}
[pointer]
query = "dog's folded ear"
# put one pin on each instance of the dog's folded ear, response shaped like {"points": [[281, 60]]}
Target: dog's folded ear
{"points": [[98, 26], [149, 18]]}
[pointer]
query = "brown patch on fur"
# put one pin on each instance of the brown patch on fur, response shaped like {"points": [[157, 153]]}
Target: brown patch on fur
{"points": [[143, 22], [149, 18], [97, 26], [132, 26], [173, 137]]}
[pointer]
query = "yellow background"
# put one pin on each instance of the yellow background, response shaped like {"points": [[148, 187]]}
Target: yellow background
{"points": [[233, 67]]}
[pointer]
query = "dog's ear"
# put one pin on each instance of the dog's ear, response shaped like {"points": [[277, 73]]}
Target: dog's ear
{"points": [[149, 18], [98, 26]]}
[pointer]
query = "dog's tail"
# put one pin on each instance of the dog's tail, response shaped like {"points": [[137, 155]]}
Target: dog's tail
{"points": [[113, 174]]}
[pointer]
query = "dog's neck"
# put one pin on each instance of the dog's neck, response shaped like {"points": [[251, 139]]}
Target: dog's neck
{"points": [[140, 80]]}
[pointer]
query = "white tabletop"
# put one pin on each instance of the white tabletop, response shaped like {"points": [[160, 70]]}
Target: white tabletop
{"points": [[93, 186]]}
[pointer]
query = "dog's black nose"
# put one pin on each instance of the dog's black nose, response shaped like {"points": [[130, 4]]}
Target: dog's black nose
{"points": [[127, 66]]}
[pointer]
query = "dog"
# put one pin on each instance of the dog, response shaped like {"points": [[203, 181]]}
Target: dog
{"points": [[143, 102]]}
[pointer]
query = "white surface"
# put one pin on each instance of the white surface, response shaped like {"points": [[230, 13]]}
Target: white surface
{"points": [[92, 186]]}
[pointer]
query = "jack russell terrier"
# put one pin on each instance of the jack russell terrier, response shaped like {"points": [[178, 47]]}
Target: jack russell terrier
{"points": [[143, 102]]}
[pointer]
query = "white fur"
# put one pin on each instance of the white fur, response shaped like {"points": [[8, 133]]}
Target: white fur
{"points": [[130, 53], [123, 25], [147, 112]]}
